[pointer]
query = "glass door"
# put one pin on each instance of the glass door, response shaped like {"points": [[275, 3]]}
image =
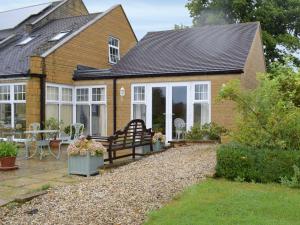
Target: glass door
{"points": [[159, 109], [179, 111]]}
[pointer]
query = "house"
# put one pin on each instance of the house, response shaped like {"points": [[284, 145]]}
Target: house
{"points": [[58, 60], [42, 45], [176, 74]]}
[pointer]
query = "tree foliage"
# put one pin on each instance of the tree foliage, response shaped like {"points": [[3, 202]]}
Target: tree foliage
{"points": [[269, 116], [280, 21]]}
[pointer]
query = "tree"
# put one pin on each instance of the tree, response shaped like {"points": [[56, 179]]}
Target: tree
{"points": [[269, 116], [280, 21]]}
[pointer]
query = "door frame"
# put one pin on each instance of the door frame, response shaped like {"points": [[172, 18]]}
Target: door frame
{"points": [[169, 107]]}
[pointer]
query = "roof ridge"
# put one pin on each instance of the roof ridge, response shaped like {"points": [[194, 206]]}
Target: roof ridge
{"points": [[70, 17], [198, 27], [25, 7]]}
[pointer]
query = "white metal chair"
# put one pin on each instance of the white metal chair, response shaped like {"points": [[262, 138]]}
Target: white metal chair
{"points": [[179, 128], [67, 139]]}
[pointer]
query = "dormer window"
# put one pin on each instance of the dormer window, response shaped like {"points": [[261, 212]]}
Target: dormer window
{"points": [[59, 36], [26, 41], [114, 50]]}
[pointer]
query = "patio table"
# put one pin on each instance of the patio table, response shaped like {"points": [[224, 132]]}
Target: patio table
{"points": [[40, 144]]}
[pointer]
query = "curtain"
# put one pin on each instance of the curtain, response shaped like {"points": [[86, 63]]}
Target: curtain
{"points": [[139, 111], [201, 113], [66, 115], [52, 111]]}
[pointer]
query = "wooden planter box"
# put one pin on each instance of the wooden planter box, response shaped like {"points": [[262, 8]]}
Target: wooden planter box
{"points": [[156, 147], [84, 165]]}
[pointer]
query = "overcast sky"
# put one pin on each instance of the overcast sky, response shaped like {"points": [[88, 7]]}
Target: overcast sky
{"points": [[144, 15]]}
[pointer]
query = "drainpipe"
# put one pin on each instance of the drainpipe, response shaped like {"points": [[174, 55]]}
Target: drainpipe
{"points": [[43, 95], [115, 104]]}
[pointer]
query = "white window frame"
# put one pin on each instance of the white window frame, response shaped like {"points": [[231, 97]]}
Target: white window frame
{"points": [[90, 102], [60, 102], [208, 100], [114, 47], [59, 36], [26, 40], [138, 102], [168, 85], [12, 100]]}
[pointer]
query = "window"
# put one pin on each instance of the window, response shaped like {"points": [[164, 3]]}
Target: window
{"points": [[98, 94], [67, 94], [59, 36], [91, 109], [19, 92], [4, 93], [201, 92], [114, 50], [60, 104], [201, 104], [26, 41], [13, 106], [82, 95], [52, 93], [139, 103]]}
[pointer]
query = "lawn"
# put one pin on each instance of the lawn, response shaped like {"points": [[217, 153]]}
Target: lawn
{"points": [[222, 202]]}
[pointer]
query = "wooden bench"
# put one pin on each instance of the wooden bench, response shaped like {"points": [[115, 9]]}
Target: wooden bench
{"points": [[132, 136]]}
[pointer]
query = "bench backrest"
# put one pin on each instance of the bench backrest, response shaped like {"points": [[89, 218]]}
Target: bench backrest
{"points": [[134, 133]]}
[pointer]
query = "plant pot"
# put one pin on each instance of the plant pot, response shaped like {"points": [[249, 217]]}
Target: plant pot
{"points": [[8, 163], [158, 146], [54, 144], [84, 165]]}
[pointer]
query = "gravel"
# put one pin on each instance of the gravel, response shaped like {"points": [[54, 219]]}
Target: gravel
{"points": [[120, 196]]}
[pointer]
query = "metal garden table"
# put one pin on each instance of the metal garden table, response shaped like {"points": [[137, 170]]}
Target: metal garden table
{"points": [[40, 143]]}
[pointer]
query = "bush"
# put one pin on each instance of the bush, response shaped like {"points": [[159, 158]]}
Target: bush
{"points": [[210, 131], [8, 149], [294, 182], [237, 161], [269, 116]]}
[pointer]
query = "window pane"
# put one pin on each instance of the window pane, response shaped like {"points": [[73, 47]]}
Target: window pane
{"points": [[52, 93], [66, 115], [52, 111], [201, 92], [83, 116], [82, 95], [67, 94], [113, 45], [20, 92], [5, 92], [201, 113], [139, 93], [98, 94], [139, 111], [20, 116], [98, 120], [5, 114]]}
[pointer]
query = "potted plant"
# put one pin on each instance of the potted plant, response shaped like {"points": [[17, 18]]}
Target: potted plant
{"points": [[158, 141], [85, 156], [8, 154], [53, 124]]}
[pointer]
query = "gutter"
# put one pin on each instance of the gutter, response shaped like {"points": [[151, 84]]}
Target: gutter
{"points": [[100, 77]]}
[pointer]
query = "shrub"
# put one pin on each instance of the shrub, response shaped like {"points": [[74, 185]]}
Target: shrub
{"points": [[294, 182], [237, 161], [210, 131], [269, 116], [8, 149]]}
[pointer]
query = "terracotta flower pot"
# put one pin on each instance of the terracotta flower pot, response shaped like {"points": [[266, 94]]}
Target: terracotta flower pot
{"points": [[8, 162], [55, 143]]}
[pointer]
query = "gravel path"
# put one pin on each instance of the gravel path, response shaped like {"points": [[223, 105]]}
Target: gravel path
{"points": [[122, 196]]}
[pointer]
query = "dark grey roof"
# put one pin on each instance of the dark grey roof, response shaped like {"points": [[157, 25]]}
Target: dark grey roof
{"points": [[14, 59], [200, 50], [20, 28]]}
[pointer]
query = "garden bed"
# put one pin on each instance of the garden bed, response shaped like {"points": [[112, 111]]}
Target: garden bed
{"points": [[179, 143]]}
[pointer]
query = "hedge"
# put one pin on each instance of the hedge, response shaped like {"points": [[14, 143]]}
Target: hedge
{"points": [[259, 165]]}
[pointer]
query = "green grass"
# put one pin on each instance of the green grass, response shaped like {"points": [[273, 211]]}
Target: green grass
{"points": [[220, 202]]}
